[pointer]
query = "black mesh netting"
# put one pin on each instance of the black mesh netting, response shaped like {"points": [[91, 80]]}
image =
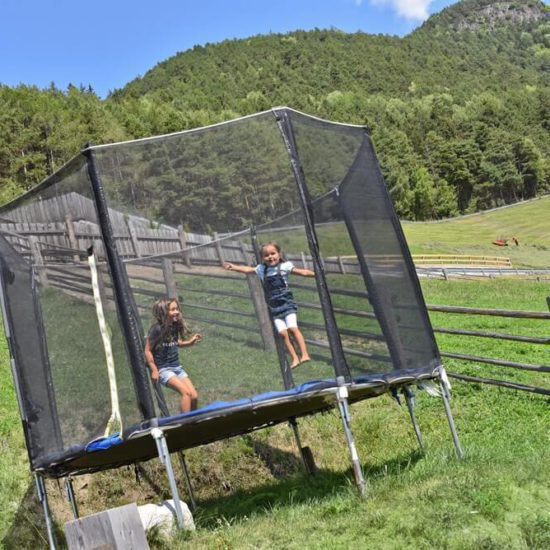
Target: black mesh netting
{"points": [[164, 215]]}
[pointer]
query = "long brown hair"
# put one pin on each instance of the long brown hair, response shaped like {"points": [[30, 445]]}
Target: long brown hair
{"points": [[161, 317]]}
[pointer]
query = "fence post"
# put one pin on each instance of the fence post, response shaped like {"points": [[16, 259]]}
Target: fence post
{"points": [[244, 252], [183, 242], [73, 242], [38, 260], [169, 281], [219, 251], [304, 261], [341, 264], [262, 313], [260, 307], [133, 236]]}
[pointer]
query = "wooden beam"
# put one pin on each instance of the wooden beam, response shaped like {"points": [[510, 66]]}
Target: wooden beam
{"points": [[116, 529]]}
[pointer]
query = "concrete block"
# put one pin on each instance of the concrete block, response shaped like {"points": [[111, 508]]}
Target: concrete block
{"points": [[163, 515]]}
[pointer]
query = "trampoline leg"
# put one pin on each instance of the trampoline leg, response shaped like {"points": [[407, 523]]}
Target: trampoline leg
{"points": [[69, 490], [342, 396], [446, 402], [183, 465], [43, 497], [305, 452], [409, 398], [164, 455]]}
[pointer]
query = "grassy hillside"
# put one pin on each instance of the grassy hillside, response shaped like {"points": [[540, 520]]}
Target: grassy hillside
{"points": [[529, 222]]}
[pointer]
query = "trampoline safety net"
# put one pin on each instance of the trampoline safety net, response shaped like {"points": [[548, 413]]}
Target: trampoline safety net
{"points": [[162, 215]]}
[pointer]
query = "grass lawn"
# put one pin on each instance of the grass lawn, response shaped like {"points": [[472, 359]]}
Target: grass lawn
{"points": [[252, 491], [529, 222], [497, 497]]}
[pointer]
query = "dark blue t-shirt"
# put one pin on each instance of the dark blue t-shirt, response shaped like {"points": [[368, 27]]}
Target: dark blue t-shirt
{"points": [[165, 351]]}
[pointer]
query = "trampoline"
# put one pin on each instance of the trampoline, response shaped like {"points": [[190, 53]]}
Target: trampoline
{"points": [[85, 253]]}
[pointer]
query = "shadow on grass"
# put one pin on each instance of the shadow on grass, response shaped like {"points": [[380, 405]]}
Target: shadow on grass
{"points": [[28, 529], [279, 463], [291, 487], [295, 489]]}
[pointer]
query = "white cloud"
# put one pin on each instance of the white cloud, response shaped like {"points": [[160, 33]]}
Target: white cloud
{"points": [[409, 9]]}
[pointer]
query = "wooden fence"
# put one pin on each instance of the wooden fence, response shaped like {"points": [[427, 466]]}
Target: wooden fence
{"points": [[66, 225], [461, 259], [210, 314], [69, 240], [150, 281], [132, 241], [545, 341], [56, 233]]}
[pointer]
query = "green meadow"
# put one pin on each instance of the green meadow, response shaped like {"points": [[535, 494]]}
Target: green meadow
{"points": [[528, 222]]}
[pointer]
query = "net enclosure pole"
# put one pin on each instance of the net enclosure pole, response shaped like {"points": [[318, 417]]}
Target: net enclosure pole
{"points": [[164, 456], [185, 469], [121, 290], [343, 406], [306, 455], [69, 490], [288, 380], [339, 361], [335, 343]]}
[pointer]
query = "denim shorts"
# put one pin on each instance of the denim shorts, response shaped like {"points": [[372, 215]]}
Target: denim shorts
{"points": [[167, 372]]}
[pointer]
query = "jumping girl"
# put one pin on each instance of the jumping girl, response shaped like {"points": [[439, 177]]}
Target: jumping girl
{"points": [[165, 336], [274, 272]]}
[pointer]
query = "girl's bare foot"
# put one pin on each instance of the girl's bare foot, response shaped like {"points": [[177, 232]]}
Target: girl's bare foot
{"points": [[295, 364], [305, 359]]}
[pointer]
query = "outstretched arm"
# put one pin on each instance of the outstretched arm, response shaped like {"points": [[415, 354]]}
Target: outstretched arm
{"points": [[303, 272], [239, 268], [193, 340]]}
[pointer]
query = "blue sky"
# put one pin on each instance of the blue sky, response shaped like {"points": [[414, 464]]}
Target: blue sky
{"points": [[107, 43]]}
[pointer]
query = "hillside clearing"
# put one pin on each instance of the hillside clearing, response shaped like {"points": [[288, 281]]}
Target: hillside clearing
{"points": [[528, 221]]}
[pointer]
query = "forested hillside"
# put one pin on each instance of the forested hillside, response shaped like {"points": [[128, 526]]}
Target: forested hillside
{"points": [[459, 110]]}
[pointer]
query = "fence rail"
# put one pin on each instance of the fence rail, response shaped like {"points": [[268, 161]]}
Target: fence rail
{"points": [[368, 336], [461, 259]]}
